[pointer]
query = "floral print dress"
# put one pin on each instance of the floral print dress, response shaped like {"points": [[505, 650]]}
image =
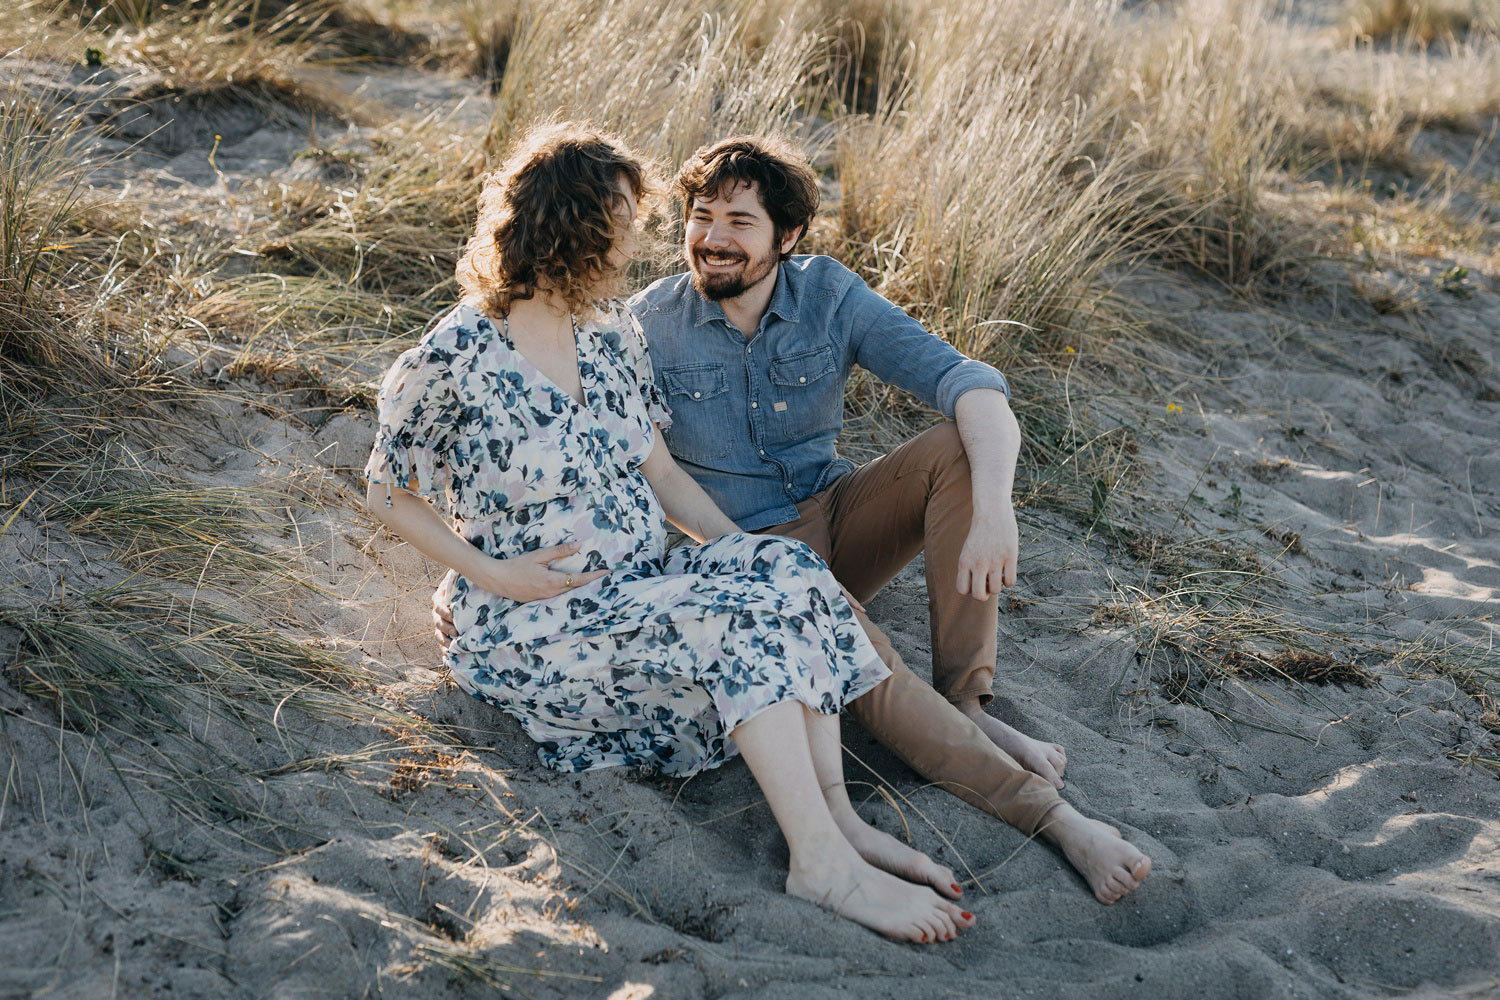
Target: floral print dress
{"points": [[655, 663]]}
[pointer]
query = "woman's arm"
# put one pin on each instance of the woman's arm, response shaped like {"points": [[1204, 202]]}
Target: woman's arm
{"points": [[690, 509], [526, 577]]}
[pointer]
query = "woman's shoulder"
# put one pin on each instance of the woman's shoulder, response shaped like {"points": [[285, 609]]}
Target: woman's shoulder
{"points": [[618, 328], [453, 335]]}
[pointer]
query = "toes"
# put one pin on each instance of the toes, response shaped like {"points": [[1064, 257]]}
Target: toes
{"points": [[942, 880], [961, 918], [1045, 771]]}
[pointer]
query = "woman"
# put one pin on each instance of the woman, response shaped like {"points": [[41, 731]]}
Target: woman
{"points": [[533, 406]]}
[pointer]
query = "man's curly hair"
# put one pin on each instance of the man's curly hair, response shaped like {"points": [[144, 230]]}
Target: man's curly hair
{"points": [[549, 216]]}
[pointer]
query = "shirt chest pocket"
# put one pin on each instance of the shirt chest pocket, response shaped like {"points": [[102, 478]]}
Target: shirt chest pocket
{"points": [[809, 399], [702, 411]]}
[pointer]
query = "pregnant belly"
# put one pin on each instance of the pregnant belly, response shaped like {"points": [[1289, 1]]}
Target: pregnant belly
{"points": [[614, 529]]}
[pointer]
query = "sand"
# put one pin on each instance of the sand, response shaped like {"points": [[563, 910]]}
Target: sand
{"points": [[1308, 840]]}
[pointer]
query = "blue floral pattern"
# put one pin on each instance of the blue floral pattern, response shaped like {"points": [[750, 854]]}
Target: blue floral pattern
{"points": [[656, 662]]}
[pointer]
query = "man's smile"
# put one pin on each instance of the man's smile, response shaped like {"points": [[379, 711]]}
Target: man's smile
{"points": [[719, 259]]}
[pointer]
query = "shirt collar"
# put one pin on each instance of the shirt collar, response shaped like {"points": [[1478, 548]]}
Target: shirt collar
{"points": [[783, 301]]}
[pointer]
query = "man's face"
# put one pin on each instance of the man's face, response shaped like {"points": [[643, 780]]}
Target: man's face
{"points": [[731, 243]]}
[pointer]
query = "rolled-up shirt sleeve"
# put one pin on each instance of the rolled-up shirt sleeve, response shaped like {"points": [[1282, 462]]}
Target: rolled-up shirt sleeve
{"points": [[899, 350], [968, 374]]}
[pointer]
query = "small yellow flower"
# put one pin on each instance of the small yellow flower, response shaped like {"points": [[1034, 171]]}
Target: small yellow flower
{"points": [[1070, 350], [1173, 408]]}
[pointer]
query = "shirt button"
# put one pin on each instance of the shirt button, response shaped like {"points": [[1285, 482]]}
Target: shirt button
{"points": [[697, 395], [802, 379], [749, 350], [754, 406], [788, 485], [763, 451]]}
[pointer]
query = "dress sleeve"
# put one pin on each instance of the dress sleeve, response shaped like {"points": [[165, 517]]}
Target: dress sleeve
{"points": [[417, 411], [638, 359]]}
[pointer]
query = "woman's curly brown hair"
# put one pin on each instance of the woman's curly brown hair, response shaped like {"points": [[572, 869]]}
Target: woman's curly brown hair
{"points": [[549, 216]]}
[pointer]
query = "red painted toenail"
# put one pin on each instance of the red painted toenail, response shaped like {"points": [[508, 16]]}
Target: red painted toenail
{"points": [[968, 915], [957, 888]]}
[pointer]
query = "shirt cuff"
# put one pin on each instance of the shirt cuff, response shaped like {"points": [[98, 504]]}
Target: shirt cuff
{"points": [[967, 374]]}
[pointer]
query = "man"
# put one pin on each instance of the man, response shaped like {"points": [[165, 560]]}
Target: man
{"points": [[753, 347]]}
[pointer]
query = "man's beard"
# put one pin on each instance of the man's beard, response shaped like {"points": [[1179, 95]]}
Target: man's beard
{"points": [[719, 286]]}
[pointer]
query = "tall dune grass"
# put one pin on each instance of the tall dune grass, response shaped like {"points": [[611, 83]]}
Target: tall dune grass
{"points": [[668, 76], [1205, 94], [984, 195], [44, 202]]}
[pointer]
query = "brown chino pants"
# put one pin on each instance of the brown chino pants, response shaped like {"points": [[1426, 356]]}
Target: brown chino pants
{"points": [[867, 526]]}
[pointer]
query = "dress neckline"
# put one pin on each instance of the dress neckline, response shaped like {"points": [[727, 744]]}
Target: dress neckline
{"points": [[581, 363]]}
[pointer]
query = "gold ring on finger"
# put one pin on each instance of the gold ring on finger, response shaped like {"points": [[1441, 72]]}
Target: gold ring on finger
{"points": [[569, 582]]}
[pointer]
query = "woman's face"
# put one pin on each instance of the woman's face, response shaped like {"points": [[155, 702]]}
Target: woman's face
{"points": [[627, 234]]}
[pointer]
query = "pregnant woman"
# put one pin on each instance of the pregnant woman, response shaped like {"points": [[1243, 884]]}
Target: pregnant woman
{"points": [[532, 408]]}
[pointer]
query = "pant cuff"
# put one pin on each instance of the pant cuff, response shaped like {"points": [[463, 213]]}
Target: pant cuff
{"points": [[984, 694]]}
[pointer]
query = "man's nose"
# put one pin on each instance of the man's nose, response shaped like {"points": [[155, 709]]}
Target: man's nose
{"points": [[717, 235]]}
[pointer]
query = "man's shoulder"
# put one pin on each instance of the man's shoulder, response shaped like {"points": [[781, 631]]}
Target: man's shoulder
{"points": [[821, 270], [823, 284], [663, 296]]}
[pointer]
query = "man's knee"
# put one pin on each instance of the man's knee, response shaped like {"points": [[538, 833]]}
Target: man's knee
{"points": [[943, 446]]}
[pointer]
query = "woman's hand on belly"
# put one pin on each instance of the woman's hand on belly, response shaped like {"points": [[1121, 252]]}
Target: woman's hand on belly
{"points": [[530, 576]]}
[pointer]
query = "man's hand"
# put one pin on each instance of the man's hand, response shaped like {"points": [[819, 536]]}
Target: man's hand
{"points": [[988, 560], [442, 620]]}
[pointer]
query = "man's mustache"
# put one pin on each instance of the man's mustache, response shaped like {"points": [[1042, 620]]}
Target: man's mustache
{"points": [[740, 257]]}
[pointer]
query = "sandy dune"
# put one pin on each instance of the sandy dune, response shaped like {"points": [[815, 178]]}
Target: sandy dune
{"points": [[1309, 840]]}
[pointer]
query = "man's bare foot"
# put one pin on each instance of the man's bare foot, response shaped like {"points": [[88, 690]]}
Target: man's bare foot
{"points": [[838, 879], [889, 854], [1111, 865], [1048, 760]]}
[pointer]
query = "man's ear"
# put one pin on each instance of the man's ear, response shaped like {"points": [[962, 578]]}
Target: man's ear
{"points": [[790, 240]]}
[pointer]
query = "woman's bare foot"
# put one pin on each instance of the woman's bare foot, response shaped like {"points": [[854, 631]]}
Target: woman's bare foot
{"points": [[1111, 865], [1048, 760], [889, 854], [840, 880]]}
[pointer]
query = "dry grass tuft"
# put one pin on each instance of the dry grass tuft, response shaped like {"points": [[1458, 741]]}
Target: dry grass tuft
{"points": [[391, 240], [138, 657], [1206, 93], [1302, 666], [45, 238], [713, 84], [174, 531]]}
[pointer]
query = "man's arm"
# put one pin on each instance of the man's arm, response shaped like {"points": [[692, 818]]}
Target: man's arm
{"points": [[690, 509], [886, 341], [899, 350], [992, 441]]}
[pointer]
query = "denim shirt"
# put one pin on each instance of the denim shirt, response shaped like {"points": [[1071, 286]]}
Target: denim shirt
{"points": [[755, 422]]}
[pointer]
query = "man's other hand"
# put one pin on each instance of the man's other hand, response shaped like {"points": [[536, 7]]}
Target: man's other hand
{"points": [[442, 620], [988, 560]]}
